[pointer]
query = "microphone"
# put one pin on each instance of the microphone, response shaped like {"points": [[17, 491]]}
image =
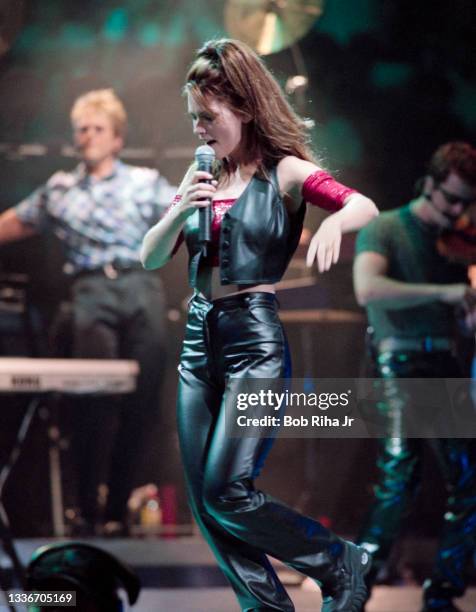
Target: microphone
{"points": [[205, 156]]}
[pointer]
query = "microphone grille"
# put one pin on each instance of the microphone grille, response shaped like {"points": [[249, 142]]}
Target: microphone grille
{"points": [[204, 151]]}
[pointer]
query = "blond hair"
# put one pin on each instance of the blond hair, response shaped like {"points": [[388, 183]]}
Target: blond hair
{"points": [[104, 101]]}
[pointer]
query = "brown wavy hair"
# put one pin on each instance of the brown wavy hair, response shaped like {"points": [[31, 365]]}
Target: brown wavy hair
{"points": [[458, 157], [232, 73]]}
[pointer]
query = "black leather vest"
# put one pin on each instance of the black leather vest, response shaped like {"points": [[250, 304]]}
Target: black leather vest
{"points": [[257, 238]]}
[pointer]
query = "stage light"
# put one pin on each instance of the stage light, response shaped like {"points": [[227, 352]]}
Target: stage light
{"points": [[116, 25]]}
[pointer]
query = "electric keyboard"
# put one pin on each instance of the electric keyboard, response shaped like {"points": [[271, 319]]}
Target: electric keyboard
{"points": [[31, 375]]}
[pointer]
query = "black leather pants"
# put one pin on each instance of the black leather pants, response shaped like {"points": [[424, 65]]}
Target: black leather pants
{"points": [[241, 336], [399, 463]]}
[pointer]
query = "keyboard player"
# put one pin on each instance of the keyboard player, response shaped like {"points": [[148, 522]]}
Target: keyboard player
{"points": [[100, 211]]}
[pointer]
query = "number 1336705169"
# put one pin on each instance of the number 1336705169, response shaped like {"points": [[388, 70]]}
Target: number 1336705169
{"points": [[42, 598]]}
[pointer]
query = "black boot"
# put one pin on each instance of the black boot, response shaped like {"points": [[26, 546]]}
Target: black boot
{"points": [[345, 589], [440, 606], [438, 597], [377, 573]]}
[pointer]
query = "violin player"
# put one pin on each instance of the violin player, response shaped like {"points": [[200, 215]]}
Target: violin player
{"points": [[414, 295]]}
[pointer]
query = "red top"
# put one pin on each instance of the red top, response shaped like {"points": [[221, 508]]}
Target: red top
{"points": [[219, 208]]}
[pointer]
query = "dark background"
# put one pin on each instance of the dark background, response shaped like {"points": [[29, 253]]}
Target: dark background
{"points": [[389, 82]]}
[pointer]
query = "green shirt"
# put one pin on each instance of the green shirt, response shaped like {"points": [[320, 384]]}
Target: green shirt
{"points": [[409, 245]]}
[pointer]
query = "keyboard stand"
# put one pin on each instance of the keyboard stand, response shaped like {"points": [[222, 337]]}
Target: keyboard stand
{"points": [[5, 532], [47, 380]]}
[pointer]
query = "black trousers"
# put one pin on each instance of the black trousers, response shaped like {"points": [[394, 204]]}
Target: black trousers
{"points": [[399, 462], [241, 336], [120, 318]]}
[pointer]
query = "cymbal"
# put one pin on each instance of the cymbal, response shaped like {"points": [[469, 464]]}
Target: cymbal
{"points": [[321, 315], [270, 25]]}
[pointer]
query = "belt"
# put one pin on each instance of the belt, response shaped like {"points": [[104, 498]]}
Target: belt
{"points": [[426, 344], [110, 270]]}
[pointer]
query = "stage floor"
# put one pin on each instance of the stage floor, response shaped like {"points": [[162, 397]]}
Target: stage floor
{"points": [[384, 599], [180, 575]]}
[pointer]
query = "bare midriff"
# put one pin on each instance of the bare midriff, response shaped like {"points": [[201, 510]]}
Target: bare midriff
{"points": [[208, 285]]}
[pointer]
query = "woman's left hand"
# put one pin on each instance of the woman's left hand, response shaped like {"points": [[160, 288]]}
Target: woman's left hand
{"points": [[325, 244]]}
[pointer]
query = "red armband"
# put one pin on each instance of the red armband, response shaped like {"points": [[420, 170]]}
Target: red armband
{"points": [[180, 238], [320, 189]]}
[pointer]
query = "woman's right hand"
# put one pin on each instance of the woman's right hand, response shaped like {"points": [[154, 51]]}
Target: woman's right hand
{"points": [[198, 194], [159, 242]]}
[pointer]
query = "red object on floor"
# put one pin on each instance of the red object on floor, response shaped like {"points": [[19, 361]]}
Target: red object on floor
{"points": [[168, 504]]}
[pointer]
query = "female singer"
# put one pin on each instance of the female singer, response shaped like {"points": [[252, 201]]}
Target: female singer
{"points": [[264, 175]]}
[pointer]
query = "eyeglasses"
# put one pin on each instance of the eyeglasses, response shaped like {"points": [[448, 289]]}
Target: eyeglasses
{"points": [[454, 199]]}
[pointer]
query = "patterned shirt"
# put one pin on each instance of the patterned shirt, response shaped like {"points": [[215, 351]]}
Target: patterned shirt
{"points": [[99, 221]]}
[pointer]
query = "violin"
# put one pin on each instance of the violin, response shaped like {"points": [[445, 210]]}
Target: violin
{"points": [[458, 244]]}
